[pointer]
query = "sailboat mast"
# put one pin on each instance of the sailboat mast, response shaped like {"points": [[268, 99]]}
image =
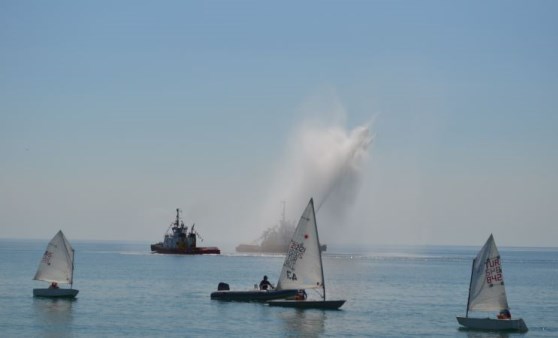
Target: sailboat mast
{"points": [[470, 282], [64, 241], [72, 277], [319, 248]]}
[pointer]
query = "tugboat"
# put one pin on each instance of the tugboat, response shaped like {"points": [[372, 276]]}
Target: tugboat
{"points": [[179, 241]]}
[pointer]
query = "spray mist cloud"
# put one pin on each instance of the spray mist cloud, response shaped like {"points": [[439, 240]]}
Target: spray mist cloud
{"points": [[324, 162]]}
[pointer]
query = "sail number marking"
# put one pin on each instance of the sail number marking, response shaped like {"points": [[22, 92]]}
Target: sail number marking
{"points": [[47, 257], [493, 271], [291, 275], [296, 251]]}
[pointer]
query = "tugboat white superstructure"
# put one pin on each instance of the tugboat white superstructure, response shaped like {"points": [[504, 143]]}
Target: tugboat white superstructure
{"points": [[179, 241]]}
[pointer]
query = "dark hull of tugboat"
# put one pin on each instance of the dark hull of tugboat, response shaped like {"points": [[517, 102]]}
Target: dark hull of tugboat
{"points": [[158, 248]]}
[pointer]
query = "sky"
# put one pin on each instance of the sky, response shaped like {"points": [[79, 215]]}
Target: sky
{"points": [[114, 114]]}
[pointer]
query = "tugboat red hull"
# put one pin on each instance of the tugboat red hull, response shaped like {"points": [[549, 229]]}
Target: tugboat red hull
{"points": [[158, 248]]}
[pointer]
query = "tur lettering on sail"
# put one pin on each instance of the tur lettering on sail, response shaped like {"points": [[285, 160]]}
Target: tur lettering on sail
{"points": [[493, 271]]}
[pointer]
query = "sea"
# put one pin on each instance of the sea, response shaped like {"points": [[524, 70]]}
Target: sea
{"points": [[126, 291]]}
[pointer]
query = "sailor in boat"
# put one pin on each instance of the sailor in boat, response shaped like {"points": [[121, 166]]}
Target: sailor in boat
{"points": [[53, 285], [504, 314], [265, 284], [301, 295]]}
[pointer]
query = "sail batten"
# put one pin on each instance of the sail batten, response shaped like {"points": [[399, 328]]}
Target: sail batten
{"points": [[56, 264], [487, 291], [302, 268]]}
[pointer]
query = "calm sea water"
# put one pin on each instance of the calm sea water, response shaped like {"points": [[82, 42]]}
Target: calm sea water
{"points": [[390, 292]]}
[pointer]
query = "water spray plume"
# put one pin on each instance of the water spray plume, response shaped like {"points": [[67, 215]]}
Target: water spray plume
{"points": [[350, 159], [323, 162]]}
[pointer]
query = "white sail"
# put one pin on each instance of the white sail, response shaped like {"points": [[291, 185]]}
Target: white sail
{"points": [[302, 268], [57, 263], [487, 292]]}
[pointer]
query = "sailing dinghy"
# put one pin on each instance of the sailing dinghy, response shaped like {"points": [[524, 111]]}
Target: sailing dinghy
{"points": [[56, 267], [487, 292], [303, 268], [254, 295]]}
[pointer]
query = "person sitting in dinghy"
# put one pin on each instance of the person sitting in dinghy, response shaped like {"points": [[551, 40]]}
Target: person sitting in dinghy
{"points": [[53, 285], [301, 295], [265, 284], [504, 314]]}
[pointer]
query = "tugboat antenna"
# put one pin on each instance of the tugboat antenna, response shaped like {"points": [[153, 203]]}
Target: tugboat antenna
{"points": [[284, 206], [177, 217]]}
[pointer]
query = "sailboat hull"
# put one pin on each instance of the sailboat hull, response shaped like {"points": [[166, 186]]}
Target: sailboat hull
{"points": [[55, 293], [309, 304], [253, 296], [493, 324]]}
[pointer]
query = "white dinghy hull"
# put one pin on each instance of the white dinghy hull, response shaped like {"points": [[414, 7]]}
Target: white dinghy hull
{"points": [[55, 293], [493, 324]]}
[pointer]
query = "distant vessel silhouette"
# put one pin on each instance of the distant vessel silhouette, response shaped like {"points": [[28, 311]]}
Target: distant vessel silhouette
{"points": [[275, 239]]}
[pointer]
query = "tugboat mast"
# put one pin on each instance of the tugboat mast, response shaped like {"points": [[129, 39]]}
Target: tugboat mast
{"points": [[177, 222]]}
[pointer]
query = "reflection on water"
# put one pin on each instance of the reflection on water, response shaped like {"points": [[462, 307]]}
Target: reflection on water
{"points": [[305, 323], [54, 316], [488, 334]]}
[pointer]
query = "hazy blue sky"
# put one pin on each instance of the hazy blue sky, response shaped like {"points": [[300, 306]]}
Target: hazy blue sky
{"points": [[114, 113]]}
